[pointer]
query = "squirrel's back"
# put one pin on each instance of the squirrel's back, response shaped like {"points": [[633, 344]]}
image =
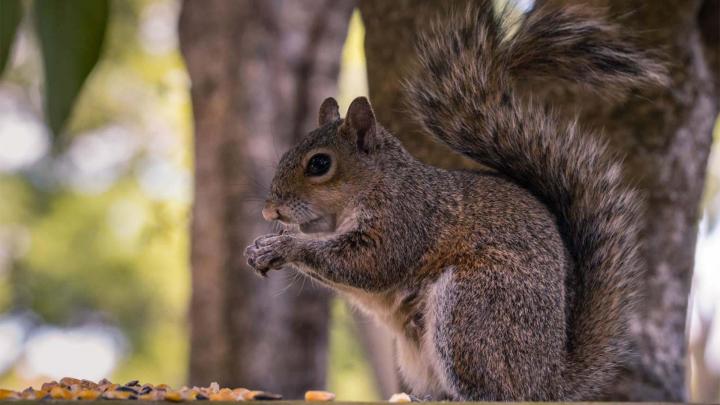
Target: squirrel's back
{"points": [[464, 94]]}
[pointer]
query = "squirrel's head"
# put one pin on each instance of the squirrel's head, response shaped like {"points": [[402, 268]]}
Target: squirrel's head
{"points": [[318, 179]]}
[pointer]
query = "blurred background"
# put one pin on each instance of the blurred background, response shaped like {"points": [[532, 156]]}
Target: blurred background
{"points": [[95, 206]]}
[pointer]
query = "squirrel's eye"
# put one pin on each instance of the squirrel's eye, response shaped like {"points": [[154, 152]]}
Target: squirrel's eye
{"points": [[318, 165]]}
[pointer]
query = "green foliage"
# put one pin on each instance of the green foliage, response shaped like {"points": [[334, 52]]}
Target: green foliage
{"points": [[71, 35], [349, 375], [118, 253], [10, 14], [711, 194]]}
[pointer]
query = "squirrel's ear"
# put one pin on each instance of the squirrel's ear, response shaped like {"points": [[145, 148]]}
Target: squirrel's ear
{"points": [[361, 119], [329, 111]]}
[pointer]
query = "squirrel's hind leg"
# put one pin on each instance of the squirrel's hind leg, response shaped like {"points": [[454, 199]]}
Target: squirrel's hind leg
{"points": [[492, 337]]}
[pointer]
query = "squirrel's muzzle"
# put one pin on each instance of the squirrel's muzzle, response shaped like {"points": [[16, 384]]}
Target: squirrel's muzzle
{"points": [[270, 213]]}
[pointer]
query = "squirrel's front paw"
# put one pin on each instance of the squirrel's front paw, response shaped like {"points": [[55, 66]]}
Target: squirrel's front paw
{"points": [[269, 252]]}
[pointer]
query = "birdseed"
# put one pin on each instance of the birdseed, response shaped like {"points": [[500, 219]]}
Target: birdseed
{"points": [[75, 389]]}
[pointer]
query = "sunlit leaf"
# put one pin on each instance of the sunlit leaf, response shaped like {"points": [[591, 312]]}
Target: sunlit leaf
{"points": [[71, 35], [10, 13]]}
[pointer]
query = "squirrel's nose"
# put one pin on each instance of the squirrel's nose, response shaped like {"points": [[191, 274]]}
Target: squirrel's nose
{"points": [[270, 213]]}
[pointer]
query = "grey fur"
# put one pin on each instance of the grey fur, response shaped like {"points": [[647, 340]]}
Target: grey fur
{"points": [[514, 284]]}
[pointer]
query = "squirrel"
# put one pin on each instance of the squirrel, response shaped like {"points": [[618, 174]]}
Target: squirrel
{"points": [[515, 282]]}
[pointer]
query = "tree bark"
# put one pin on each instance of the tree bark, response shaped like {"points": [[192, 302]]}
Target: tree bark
{"points": [[665, 134], [259, 70], [709, 24], [390, 62]]}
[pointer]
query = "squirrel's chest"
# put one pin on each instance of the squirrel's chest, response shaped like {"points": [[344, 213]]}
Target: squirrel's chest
{"points": [[401, 311]]}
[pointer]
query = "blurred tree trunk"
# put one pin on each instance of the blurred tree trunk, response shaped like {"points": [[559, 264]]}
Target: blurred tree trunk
{"points": [[706, 384], [666, 135], [259, 71]]}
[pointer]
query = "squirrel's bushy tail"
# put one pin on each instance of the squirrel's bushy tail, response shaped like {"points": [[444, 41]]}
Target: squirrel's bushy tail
{"points": [[463, 94]]}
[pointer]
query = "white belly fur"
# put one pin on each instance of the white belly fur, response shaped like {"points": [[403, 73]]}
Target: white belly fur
{"points": [[418, 362]]}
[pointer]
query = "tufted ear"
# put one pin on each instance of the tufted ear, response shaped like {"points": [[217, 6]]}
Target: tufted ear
{"points": [[329, 111], [361, 119]]}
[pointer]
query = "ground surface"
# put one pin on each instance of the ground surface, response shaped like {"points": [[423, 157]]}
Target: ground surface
{"points": [[105, 402]]}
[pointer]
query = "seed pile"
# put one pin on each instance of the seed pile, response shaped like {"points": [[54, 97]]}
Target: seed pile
{"points": [[75, 389]]}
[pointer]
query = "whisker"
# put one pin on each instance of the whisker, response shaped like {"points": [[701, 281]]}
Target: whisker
{"points": [[284, 289], [315, 283], [302, 286], [277, 226], [307, 213]]}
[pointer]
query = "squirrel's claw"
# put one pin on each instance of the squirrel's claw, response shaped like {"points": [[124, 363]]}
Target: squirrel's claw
{"points": [[267, 253], [251, 263]]}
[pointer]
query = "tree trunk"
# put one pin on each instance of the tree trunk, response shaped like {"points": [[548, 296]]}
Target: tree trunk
{"points": [[388, 64], [259, 70], [665, 134]]}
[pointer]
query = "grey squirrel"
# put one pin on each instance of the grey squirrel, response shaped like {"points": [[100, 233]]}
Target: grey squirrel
{"points": [[514, 283]]}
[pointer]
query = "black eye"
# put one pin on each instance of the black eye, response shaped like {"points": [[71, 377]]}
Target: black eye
{"points": [[318, 165]]}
